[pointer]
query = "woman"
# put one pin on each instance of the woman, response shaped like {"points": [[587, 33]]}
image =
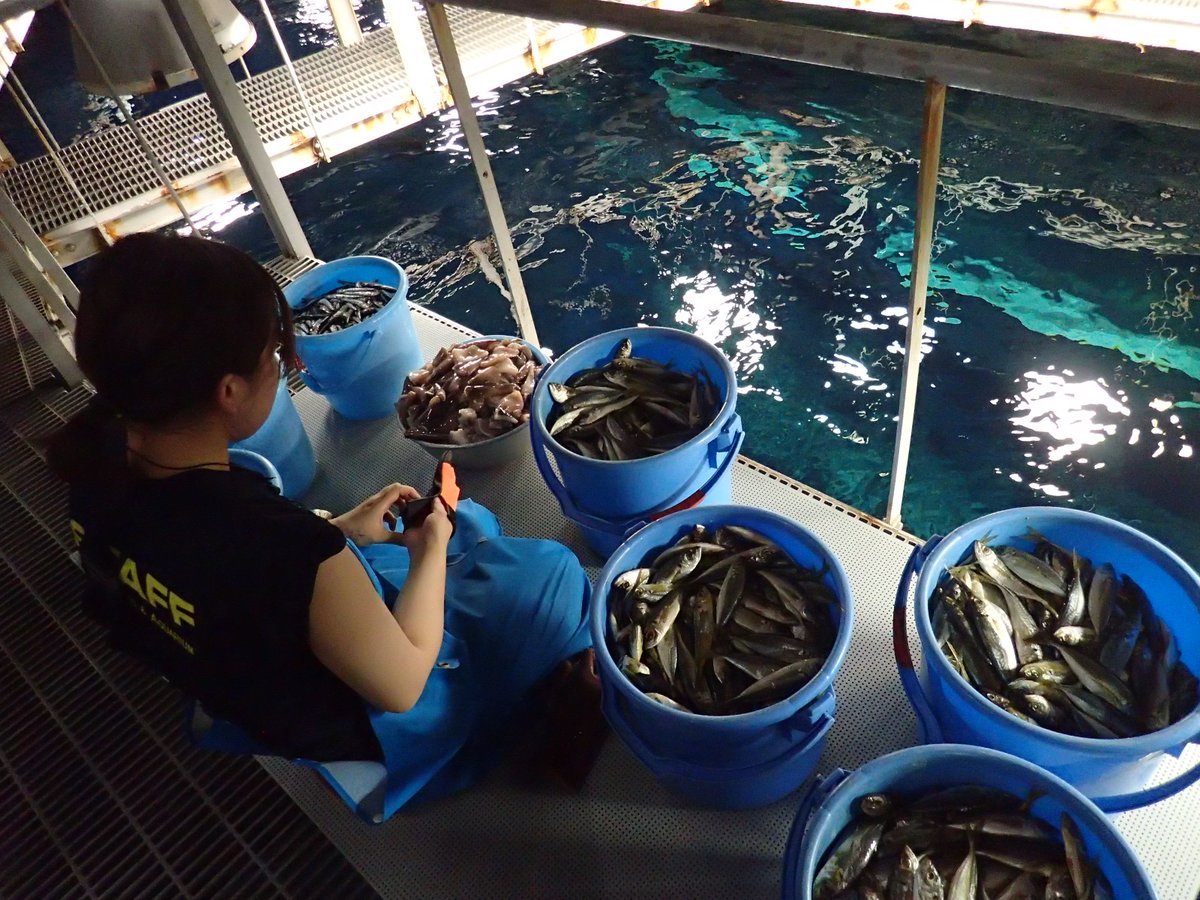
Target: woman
{"points": [[263, 611]]}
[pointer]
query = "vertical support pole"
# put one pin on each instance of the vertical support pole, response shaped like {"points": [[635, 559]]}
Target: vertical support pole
{"points": [[345, 22], [483, 169], [43, 332], [535, 50], [24, 232], [402, 17], [197, 37], [931, 147]]}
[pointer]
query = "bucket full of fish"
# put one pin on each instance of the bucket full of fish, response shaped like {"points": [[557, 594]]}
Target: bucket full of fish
{"points": [[354, 334], [638, 422], [473, 397], [283, 440], [958, 822], [1062, 637], [719, 632]]}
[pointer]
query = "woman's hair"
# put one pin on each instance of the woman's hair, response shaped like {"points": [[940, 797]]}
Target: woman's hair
{"points": [[162, 319]]}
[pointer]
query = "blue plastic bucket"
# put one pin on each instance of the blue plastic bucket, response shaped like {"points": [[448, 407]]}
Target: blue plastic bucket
{"points": [[610, 499], [736, 761], [254, 462], [831, 804], [1113, 773], [283, 440], [360, 370]]}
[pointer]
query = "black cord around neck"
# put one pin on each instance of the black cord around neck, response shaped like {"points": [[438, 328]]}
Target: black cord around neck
{"points": [[159, 465]]}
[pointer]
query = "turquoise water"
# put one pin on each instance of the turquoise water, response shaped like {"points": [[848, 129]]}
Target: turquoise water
{"points": [[768, 207]]}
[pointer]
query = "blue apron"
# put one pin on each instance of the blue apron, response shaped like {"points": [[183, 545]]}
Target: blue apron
{"points": [[515, 608]]}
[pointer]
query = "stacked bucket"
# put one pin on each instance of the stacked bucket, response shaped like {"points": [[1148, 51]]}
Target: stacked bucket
{"points": [[611, 499], [360, 370]]}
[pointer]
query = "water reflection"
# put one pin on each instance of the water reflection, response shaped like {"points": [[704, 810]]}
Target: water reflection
{"points": [[718, 317], [1061, 417], [216, 217]]}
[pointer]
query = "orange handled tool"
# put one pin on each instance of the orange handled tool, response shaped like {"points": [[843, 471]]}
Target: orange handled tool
{"points": [[444, 488]]}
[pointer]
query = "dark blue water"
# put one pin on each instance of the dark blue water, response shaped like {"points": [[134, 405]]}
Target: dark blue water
{"points": [[768, 207]]}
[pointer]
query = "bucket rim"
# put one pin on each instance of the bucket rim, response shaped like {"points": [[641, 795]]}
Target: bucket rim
{"points": [[1070, 797], [401, 293], [720, 418], [1177, 734], [818, 686]]}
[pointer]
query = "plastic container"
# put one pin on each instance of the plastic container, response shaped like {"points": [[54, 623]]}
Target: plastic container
{"points": [[283, 440], [1113, 773], [495, 451], [734, 761], [830, 806], [254, 462], [610, 499], [360, 370]]}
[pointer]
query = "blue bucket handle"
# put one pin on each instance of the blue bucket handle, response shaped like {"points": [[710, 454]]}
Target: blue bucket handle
{"points": [[929, 731], [814, 798], [348, 368], [728, 441], [633, 741], [1116, 803]]}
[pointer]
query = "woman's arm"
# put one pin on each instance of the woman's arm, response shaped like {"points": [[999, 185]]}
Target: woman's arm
{"points": [[385, 657]]}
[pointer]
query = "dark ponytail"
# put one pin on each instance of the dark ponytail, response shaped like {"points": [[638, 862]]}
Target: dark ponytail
{"points": [[91, 447], [162, 319]]}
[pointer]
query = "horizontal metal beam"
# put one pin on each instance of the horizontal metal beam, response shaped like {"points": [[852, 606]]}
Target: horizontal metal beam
{"points": [[1042, 81]]}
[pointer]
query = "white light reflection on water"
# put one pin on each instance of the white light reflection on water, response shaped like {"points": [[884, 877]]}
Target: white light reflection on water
{"points": [[217, 216], [449, 136], [1063, 415], [718, 317]]}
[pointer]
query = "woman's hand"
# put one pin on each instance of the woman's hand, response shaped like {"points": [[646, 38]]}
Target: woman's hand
{"points": [[372, 520], [432, 534]]}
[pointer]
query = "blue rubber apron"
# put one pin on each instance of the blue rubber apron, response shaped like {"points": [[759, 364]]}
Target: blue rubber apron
{"points": [[515, 608]]}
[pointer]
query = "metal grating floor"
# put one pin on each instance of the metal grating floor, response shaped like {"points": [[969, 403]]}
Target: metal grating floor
{"points": [[101, 796], [624, 836]]}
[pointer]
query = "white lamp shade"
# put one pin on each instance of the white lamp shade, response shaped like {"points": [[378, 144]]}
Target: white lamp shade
{"points": [[138, 46]]}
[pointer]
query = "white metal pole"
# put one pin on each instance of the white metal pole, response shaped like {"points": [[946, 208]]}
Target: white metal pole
{"points": [[43, 332], [197, 37], [345, 22], [483, 168], [402, 18], [294, 76], [931, 147]]}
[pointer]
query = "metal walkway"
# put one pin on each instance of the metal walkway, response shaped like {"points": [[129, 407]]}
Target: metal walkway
{"points": [[358, 93]]}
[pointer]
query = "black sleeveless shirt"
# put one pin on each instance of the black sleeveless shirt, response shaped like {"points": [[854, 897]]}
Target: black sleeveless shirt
{"points": [[207, 577]]}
